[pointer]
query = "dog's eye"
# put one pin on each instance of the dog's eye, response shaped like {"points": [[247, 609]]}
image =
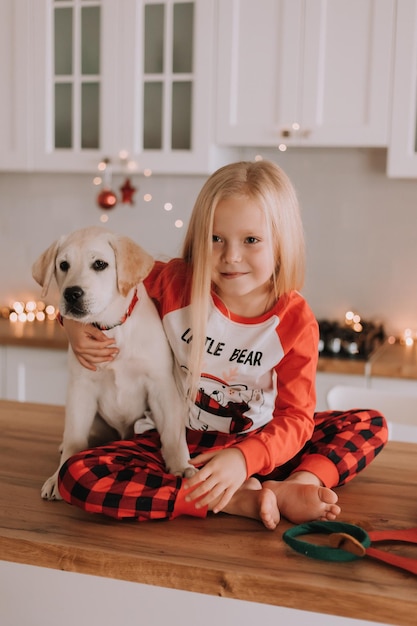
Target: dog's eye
{"points": [[99, 265], [64, 266]]}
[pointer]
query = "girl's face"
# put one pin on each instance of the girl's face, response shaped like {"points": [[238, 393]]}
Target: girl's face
{"points": [[243, 261]]}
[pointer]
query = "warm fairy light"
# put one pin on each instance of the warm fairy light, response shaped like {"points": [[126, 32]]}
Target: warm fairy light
{"points": [[123, 154], [18, 307], [282, 147], [295, 126], [104, 218], [147, 172], [29, 312], [97, 180], [179, 224], [354, 321], [132, 166], [30, 306], [168, 206], [102, 166], [259, 157], [408, 337], [147, 197]]}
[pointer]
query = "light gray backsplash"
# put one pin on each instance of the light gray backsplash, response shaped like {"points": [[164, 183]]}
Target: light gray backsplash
{"points": [[360, 227]]}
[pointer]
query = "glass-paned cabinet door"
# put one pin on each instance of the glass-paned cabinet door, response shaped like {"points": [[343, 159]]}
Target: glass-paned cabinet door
{"points": [[76, 62], [168, 76], [75, 108], [123, 75], [402, 151]]}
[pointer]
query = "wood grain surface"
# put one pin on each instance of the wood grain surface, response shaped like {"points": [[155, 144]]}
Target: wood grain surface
{"points": [[220, 555]]}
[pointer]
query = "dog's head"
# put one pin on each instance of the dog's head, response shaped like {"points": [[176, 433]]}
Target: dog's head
{"points": [[92, 267]]}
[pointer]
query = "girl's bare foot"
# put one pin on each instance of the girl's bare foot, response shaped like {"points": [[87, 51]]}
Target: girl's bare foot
{"points": [[253, 501], [301, 502]]}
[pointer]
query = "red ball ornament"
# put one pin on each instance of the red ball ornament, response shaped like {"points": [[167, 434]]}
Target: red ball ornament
{"points": [[106, 199]]}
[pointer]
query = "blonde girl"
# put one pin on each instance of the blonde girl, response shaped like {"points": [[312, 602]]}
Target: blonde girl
{"points": [[245, 344]]}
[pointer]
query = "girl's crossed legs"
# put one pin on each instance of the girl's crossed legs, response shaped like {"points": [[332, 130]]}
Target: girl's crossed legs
{"points": [[127, 479]]}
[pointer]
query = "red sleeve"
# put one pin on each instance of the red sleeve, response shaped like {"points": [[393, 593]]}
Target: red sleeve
{"points": [[168, 285], [292, 423]]}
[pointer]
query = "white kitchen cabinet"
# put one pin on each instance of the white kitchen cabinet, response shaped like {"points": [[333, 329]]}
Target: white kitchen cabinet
{"points": [[15, 83], [304, 72], [325, 381], [405, 386], [91, 79], [34, 375], [402, 153]]}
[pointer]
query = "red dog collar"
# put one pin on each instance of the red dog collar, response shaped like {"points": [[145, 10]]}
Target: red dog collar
{"points": [[128, 313], [348, 542]]}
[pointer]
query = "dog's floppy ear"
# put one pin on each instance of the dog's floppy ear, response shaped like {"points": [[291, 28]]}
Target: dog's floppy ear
{"points": [[133, 264], [43, 268]]}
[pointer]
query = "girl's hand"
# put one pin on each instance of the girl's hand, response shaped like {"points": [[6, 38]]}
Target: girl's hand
{"points": [[89, 344], [223, 473]]}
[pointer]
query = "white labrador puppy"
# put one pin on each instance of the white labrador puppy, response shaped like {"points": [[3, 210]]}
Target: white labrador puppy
{"points": [[99, 276]]}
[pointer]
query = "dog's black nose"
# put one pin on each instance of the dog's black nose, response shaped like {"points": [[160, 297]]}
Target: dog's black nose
{"points": [[72, 294]]}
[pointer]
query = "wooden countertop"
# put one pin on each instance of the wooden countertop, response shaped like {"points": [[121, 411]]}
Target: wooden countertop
{"points": [[220, 555], [391, 360], [48, 335]]}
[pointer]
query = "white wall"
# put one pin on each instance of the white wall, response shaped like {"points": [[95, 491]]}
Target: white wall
{"points": [[360, 227]]}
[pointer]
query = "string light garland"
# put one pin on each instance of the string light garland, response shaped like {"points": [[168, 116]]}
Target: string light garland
{"points": [[408, 337], [31, 311]]}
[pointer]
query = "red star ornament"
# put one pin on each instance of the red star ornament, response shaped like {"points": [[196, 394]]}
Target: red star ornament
{"points": [[127, 192]]}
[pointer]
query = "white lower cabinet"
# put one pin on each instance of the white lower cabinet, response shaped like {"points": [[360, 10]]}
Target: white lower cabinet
{"points": [[325, 381], [33, 375], [396, 385], [396, 398]]}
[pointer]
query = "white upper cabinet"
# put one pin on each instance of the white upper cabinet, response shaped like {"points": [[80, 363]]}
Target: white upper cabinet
{"points": [[106, 77], [304, 72], [402, 153], [14, 81], [75, 58]]}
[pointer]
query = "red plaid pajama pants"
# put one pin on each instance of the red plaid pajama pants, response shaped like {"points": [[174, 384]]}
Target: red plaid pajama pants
{"points": [[128, 479]]}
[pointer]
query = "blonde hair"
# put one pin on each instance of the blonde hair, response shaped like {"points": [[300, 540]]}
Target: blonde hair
{"points": [[269, 186]]}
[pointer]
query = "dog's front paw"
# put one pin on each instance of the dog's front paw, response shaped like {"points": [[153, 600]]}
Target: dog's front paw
{"points": [[49, 489], [185, 472], [189, 471]]}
